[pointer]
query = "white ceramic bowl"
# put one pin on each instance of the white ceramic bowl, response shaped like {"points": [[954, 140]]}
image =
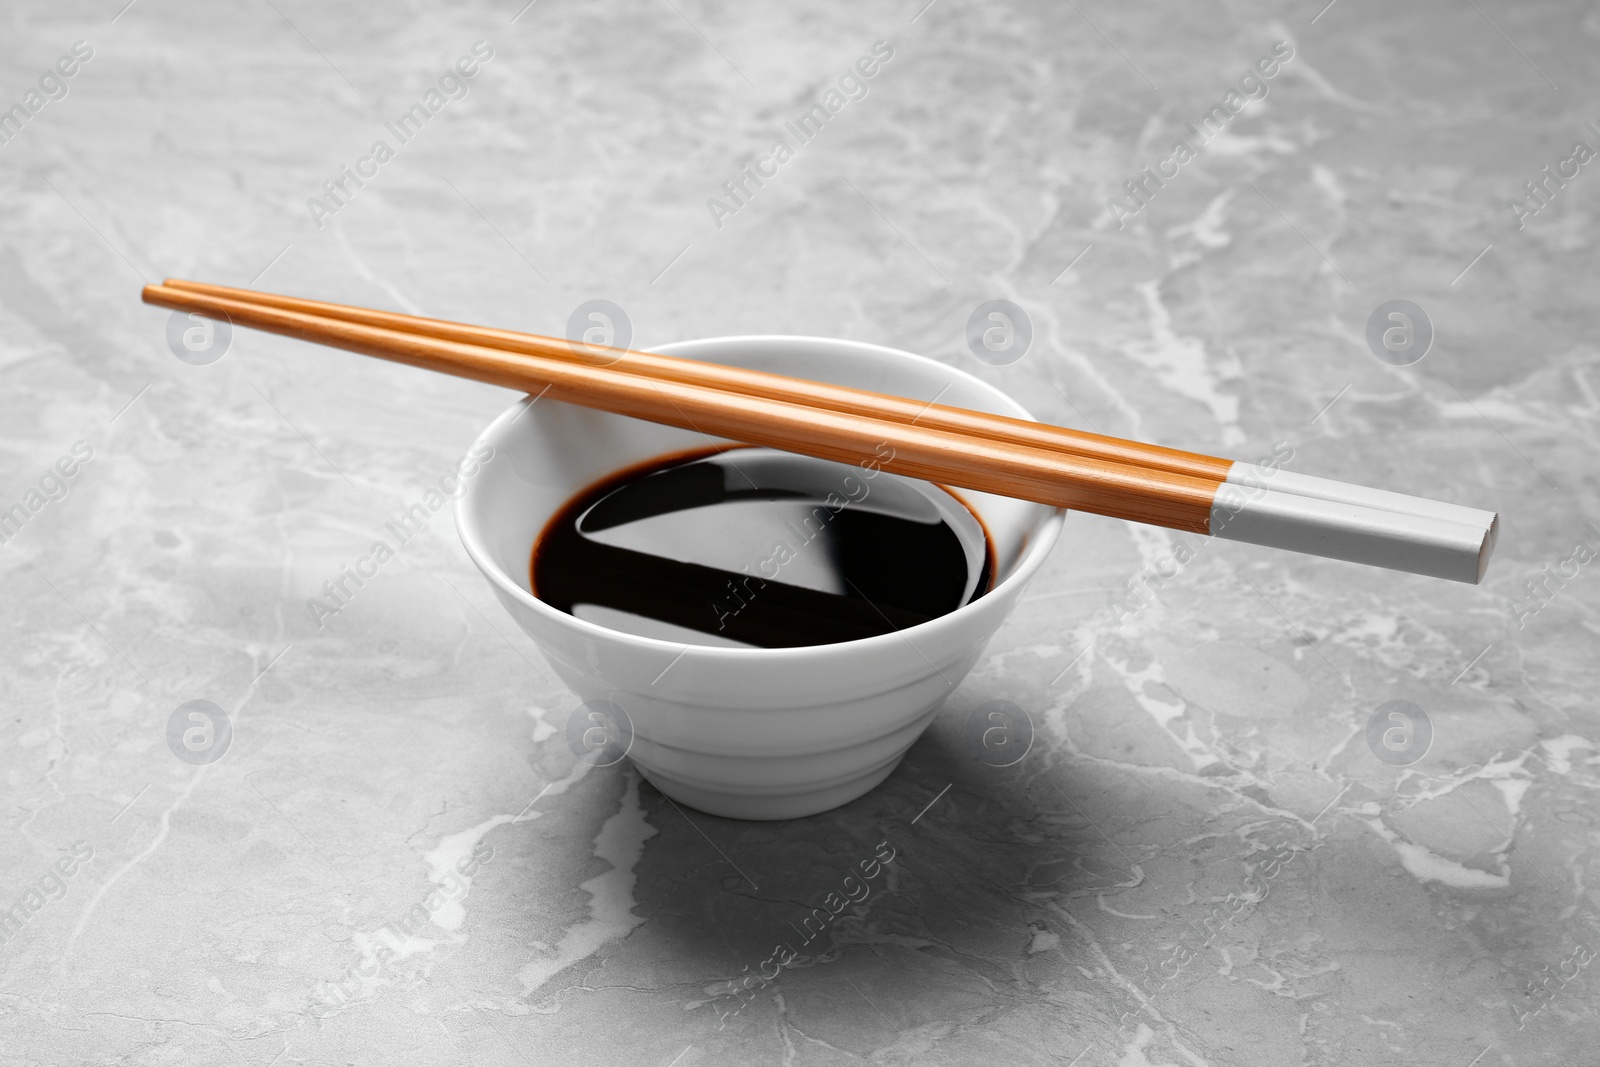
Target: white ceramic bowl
{"points": [[748, 733]]}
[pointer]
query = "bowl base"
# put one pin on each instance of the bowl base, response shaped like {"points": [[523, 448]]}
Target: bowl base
{"points": [[759, 808]]}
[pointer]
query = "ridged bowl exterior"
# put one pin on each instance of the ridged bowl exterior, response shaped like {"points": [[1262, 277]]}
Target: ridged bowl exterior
{"points": [[744, 733]]}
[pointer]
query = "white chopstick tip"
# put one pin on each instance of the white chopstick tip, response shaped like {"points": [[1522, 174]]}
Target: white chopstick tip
{"points": [[1491, 537], [1253, 476], [1415, 544]]}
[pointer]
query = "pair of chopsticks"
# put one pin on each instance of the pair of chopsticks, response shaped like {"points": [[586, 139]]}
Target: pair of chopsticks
{"points": [[950, 445]]}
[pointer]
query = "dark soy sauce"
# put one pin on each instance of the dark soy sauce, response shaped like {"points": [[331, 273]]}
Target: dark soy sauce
{"points": [[754, 547]]}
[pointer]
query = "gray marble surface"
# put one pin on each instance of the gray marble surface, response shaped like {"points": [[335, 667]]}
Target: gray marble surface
{"points": [[1201, 859]]}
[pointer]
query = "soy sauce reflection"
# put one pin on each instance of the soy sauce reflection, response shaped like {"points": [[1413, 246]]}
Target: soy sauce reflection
{"points": [[753, 547]]}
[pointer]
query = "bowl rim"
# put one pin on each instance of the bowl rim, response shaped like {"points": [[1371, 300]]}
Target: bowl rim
{"points": [[1034, 552]]}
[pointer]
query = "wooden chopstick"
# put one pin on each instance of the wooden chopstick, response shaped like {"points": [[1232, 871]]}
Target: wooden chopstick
{"points": [[881, 406], [1161, 498], [1441, 545]]}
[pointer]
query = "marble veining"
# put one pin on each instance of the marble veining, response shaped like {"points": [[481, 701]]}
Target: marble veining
{"points": [[1221, 845]]}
